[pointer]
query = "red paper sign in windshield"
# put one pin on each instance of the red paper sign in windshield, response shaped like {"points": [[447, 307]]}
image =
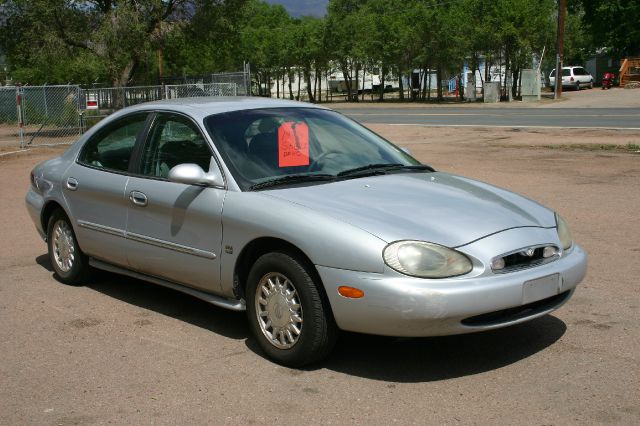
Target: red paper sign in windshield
{"points": [[293, 144]]}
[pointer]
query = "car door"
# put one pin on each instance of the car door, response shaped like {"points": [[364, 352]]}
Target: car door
{"points": [[94, 188], [583, 76], [174, 230]]}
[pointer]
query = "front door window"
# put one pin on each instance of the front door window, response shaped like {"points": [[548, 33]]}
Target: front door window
{"points": [[173, 140]]}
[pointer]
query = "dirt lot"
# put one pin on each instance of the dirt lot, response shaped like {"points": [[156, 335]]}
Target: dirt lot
{"points": [[126, 352]]}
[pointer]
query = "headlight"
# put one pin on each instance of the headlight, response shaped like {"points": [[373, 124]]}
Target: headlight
{"points": [[563, 233], [425, 260]]}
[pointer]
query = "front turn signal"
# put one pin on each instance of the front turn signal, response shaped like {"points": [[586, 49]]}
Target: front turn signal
{"points": [[350, 292]]}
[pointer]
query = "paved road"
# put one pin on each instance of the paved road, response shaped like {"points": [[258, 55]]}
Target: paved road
{"points": [[609, 118]]}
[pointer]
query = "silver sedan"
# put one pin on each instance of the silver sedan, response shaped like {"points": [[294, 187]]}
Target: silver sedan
{"points": [[303, 218]]}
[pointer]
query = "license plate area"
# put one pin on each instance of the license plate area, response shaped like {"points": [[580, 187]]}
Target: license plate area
{"points": [[540, 288]]}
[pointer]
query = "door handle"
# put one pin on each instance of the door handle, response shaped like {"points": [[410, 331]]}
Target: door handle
{"points": [[138, 198], [72, 184]]}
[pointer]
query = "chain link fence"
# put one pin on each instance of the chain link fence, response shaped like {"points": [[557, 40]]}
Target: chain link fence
{"points": [[49, 115], [42, 115], [241, 80], [174, 91], [9, 122], [52, 115], [114, 98]]}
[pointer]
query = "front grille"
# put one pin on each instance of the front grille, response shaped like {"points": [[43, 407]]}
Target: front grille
{"points": [[519, 260], [513, 314]]}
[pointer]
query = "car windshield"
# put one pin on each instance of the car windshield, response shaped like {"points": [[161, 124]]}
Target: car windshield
{"points": [[292, 145]]}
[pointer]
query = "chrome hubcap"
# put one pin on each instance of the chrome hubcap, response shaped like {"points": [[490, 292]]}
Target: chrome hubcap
{"points": [[63, 247], [279, 310]]}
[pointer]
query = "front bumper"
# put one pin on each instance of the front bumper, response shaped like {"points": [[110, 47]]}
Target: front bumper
{"points": [[397, 305]]}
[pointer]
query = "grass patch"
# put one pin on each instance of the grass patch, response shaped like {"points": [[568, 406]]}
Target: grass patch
{"points": [[630, 147]]}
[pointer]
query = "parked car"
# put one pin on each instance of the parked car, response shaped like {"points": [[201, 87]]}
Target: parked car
{"points": [[302, 217], [574, 77]]}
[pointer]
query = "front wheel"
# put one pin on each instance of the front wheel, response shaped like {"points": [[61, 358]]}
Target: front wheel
{"points": [[70, 265], [288, 315]]}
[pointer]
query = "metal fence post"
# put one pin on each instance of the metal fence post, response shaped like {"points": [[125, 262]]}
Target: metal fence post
{"points": [[20, 117]]}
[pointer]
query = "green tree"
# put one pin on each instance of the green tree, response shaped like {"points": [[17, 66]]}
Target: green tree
{"points": [[209, 41], [613, 24], [117, 38], [262, 41]]}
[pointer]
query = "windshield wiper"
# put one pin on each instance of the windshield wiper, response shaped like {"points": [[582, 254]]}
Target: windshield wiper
{"points": [[283, 180], [382, 168]]}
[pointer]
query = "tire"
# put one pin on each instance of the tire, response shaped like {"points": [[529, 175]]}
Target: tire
{"points": [[287, 311], [577, 86], [70, 265]]}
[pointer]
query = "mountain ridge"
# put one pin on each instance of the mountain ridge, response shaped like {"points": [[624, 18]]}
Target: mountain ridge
{"points": [[299, 8]]}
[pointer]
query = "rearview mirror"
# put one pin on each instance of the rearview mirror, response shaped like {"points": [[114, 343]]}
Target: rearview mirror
{"points": [[192, 174]]}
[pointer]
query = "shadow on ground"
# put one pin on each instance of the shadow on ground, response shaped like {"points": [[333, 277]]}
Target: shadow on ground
{"points": [[379, 358], [165, 301], [440, 358]]}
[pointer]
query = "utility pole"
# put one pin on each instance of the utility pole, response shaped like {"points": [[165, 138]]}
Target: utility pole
{"points": [[562, 11]]}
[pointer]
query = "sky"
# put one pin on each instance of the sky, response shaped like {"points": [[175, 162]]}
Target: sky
{"points": [[298, 8]]}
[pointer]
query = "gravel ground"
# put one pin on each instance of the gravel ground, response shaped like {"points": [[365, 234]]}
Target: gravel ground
{"points": [[126, 352]]}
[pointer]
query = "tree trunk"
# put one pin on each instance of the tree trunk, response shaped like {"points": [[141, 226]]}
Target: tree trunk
{"points": [[122, 79], [259, 85], [487, 69], [514, 81], [319, 78], [307, 76], [347, 78], [400, 86], [315, 84], [439, 82], [429, 83], [382, 73], [299, 78], [506, 72]]}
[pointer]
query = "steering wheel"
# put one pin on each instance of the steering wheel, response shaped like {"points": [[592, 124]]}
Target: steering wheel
{"points": [[315, 163]]}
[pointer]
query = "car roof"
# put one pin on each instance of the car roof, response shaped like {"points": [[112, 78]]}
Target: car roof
{"points": [[201, 107]]}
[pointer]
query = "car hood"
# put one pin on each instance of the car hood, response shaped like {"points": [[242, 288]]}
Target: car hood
{"points": [[436, 207]]}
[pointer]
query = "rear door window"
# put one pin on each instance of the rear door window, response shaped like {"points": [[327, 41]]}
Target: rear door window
{"points": [[111, 148]]}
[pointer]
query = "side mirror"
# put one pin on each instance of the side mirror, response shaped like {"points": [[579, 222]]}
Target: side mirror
{"points": [[192, 174]]}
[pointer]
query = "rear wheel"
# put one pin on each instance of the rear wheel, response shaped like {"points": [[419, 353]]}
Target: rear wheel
{"points": [[288, 315], [70, 265]]}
